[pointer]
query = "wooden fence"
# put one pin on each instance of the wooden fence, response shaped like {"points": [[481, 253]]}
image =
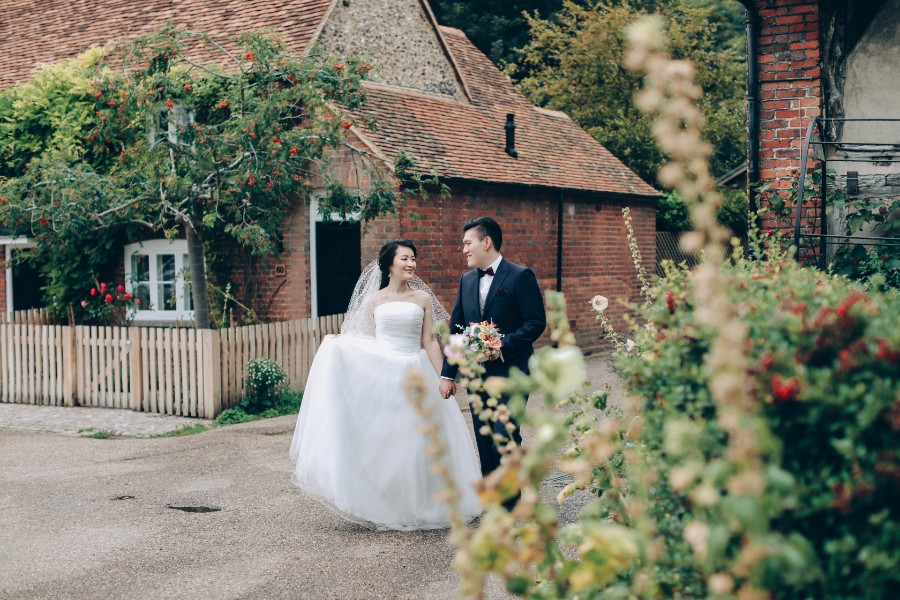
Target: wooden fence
{"points": [[183, 372], [33, 316]]}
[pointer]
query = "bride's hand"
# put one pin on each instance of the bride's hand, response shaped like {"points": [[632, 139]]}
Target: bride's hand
{"points": [[447, 388]]}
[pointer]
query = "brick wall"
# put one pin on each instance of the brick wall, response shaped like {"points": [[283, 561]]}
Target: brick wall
{"points": [[790, 86], [596, 259]]}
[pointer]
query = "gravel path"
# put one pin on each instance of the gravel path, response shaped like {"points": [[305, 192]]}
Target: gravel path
{"points": [[95, 518]]}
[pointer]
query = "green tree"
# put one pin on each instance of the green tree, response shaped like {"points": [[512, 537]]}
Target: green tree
{"points": [[498, 29], [573, 63], [174, 146]]}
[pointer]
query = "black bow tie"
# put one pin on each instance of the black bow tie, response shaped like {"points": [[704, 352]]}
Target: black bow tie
{"points": [[483, 272]]}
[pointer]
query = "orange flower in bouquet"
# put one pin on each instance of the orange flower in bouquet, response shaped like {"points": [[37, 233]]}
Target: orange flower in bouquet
{"points": [[483, 341]]}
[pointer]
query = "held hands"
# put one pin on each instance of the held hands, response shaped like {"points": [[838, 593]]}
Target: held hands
{"points": [[447, 387]]}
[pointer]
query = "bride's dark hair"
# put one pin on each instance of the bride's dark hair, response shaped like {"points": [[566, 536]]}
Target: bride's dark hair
{"points": [[386, 258]]}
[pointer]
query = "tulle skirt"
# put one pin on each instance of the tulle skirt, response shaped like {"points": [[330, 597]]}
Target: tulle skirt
{"points": [[358, 446]]}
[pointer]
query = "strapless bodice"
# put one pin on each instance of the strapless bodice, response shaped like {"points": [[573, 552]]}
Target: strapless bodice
{"points": [[398, 326]]}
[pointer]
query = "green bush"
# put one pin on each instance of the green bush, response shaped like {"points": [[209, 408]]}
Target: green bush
{"points": [[672, 213], [266, 386], [235, 415], [825, 368]]}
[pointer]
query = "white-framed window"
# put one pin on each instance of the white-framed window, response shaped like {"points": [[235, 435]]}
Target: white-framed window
{"points": [[157, 274]]}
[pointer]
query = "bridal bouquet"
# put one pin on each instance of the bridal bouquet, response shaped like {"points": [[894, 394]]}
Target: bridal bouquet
{"points": [[482, 341]]}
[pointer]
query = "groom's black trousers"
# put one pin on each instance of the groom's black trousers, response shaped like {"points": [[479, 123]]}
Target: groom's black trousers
{"points": [[488, 451]]}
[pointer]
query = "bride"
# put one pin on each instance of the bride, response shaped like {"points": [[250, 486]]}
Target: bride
{"points": [[357, 443]]}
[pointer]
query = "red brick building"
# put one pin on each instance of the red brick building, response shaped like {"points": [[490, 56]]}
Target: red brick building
{"points": [[832, 59], [437, 98]]}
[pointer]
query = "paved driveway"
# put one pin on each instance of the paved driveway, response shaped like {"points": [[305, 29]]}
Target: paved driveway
{"points": [[91, 518]]}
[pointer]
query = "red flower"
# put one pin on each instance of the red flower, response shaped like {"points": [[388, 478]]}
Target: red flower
{"points": [[127, 296], [187, 87], [346, 125], [98, 94], [886, 353], [93, 291], [223, 105], [169, 103], [338, 67], [846, 359], [785, 391], [121, 288], [275, 140], [108, 298], [42, 221], [249, 56], [102, 287], [4, 200], [767, 360], [84, 304], [292, 151], [111, 103], [670, 301]]}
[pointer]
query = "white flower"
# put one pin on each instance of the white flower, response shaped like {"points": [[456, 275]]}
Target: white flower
{"points": [[559, 372], [599, 303], [494, 386], [630, 345], [457, 341]]}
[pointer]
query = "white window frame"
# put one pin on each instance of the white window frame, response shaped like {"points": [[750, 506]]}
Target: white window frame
{"points": [[154, 248], [316, 217], [9, 243]]}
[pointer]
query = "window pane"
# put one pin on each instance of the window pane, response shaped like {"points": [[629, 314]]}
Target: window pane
{"points": [[165, 268], [186, 278], [140, 267], [166, 296], [142, 293], [140, 278]]}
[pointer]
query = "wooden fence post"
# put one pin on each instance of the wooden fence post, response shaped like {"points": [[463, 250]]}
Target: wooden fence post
{"points": [[135, 371], [70, 366], [212, 385]]}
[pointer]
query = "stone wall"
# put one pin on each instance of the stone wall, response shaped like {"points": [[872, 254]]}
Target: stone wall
{"points": [[398, 37]]}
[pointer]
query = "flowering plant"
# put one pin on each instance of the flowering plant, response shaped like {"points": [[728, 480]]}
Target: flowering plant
{"points": [[108, 305], [479, 340]]}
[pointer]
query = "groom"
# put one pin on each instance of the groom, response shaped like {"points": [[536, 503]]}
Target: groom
{"points": [[507, 294]]}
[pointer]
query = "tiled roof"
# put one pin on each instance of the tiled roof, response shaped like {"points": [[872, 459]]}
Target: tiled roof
{"points": [[35, 32], [461, 139], [467, 140]]}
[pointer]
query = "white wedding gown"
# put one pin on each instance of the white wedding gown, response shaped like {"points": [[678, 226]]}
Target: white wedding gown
{"points": [[357, 444]]}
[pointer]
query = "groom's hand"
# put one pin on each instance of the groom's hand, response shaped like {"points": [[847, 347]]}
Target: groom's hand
{"points": [[448, 387]]}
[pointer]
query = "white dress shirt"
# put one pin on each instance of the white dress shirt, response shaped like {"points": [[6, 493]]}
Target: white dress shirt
{"points": [[484, 284]]}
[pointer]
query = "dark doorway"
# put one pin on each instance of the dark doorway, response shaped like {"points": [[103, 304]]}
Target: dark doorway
{"points": [[26, 283], [337, 265]]}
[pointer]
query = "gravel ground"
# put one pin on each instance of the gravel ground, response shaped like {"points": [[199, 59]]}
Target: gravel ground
{"points": [[91, 518]]}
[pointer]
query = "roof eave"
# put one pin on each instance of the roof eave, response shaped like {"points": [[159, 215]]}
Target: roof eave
{"points": [[606, 194]]}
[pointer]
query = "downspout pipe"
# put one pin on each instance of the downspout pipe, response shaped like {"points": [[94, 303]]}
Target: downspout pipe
{"points": [[753, 25], [559, 241]]}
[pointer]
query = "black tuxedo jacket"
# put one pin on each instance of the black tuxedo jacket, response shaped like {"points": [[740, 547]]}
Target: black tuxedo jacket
{"points": [[515, 305]]}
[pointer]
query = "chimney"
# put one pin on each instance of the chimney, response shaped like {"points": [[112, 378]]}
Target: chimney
{"points": [[511, 135]]}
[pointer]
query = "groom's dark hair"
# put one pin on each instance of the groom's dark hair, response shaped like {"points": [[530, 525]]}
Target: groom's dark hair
{"points": [[486, 227], [386, 258]]}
